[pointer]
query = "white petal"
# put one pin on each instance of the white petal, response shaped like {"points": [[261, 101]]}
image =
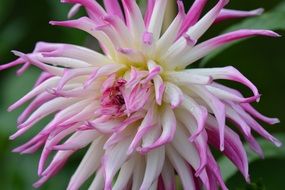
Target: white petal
{"points": [[125, 174], [154, 164], [157, 16], [173, 95], [88, 165], [98, 182], [182, 169]]}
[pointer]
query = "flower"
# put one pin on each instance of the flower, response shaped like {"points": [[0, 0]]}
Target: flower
{"points": [[145, 117]]}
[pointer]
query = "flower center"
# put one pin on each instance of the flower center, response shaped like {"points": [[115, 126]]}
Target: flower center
{"points": [[112, 101]]}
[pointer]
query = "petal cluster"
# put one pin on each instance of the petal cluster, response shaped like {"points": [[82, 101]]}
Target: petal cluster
{"points": [[146, 115]]}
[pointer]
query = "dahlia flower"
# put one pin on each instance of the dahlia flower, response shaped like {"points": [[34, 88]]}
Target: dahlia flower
{"points": [[148, 118]]}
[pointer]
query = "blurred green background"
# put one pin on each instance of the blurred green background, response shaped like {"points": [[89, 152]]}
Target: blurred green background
{"points": [[23, 23]]}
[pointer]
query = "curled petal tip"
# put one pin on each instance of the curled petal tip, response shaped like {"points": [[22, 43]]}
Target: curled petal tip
{"points": [[255, 98], [73, 11], [258, 11], [18, 53], [10, 109], [271, 33], [16, 150], [258, 96], [277, 142], [222, 147], [247, 178], [53, 23], [12, 137], [275, 121]]}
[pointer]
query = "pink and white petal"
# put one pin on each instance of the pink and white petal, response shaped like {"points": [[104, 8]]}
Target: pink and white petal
{"points": [[149, 139], [43, 77], [113, 160], [147, 124], [56, 164], [78, 140], [74, 10], [93, 8], [115, 37], [185, 78], [34, 60], [131, 55], [49, 83], [234, 149], [197, 30], [113, 8], [46, 109], [70, 74], [252, 111], [227, 73], [18, 61], [72, 51], [121, 29], [227, 14], [156, 20], [89, 164], [208, 46], [217, 107], [106, 127], [90, 27], [169, 36], [238, 120], [139, 171], [70, 111], [200, 141], [159, 89], [200, 114], [149, 11], [168, 122], [39, 100], [98, 182], [254, 145], [134, 20], [173, 95], [192, 16], [215, 170], [64, 62], [181, 168], [225, 95], [255, 125], [125, 174], [185, 148], [52, 140], [168, 175], [154, 164]]}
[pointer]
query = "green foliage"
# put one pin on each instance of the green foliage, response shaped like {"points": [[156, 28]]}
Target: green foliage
{"points": [[254, 186]]}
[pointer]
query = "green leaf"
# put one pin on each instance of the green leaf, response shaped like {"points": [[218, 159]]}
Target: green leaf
{"points": [[10, 35], [5, 9], [273, 20], [228, 169], [13, 89]]}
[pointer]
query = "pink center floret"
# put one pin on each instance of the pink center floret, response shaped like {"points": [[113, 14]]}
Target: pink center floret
{"points": [[112, 100]]}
